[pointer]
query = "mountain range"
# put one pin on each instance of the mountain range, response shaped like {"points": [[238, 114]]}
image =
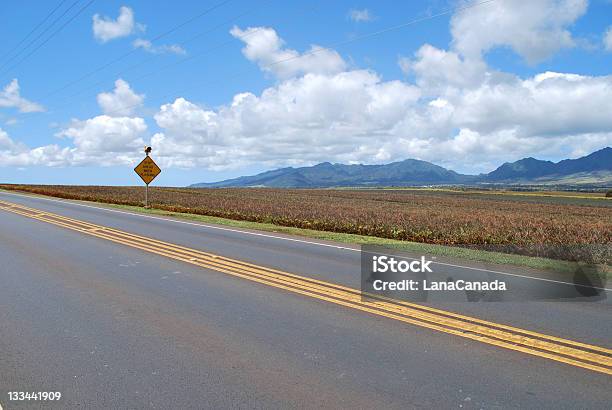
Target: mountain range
{"points": [[593, 169]]}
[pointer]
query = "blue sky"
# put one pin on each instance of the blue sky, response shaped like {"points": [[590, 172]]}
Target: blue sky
{"points": [[467, 90]]}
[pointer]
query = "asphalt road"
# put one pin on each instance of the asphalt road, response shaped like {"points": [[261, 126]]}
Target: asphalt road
{"points": [[112, 326]]}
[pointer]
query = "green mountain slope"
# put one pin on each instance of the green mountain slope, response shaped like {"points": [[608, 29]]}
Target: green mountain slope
{"points": [[595, 168]]}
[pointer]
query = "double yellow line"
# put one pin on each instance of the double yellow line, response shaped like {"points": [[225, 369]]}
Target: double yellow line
{"points": [[571, 352]]}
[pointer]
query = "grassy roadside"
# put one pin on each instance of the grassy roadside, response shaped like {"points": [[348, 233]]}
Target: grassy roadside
{"points": [[352, 239]]}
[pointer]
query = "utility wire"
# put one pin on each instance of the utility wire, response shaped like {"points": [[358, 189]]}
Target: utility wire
{"points": [[163, 68], [191, 39], [36, 39], [33, 30], [151, 58], [52, 35], [220, 45], [197, 16], [184, 60], [379, 32], [132, 51], [345, 42]]}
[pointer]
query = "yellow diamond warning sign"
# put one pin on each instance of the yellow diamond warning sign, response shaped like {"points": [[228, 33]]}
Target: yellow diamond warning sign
{"points": [[147, 170]]}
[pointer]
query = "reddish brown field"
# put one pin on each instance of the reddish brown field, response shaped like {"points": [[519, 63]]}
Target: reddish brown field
{"points": [[419, 216]]}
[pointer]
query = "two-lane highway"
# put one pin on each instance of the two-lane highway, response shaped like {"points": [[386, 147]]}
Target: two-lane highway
{"points": [[174, 325]]}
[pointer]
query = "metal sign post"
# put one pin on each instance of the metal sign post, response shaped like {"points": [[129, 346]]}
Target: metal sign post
{"points": [[147, 170]]}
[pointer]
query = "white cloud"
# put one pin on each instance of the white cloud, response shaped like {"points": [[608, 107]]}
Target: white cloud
{"points": [[106, 29], [16, 154], [549, 104], [607, 40], [122, 101], [6, 143], [329, 112], [105, 135], [437, 69], [405, 64], [100, 141], [266, 48], [354, 116], [360, 15], [104, 140], [147, 46], [10, 97], [534, 29]]}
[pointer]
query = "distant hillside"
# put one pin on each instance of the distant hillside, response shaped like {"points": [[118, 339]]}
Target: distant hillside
{"points": [[531, 169], [404, 173], [595, 168], [525, 168]]}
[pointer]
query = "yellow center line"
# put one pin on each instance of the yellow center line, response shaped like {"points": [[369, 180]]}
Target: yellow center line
{"points": [[551, 347]]}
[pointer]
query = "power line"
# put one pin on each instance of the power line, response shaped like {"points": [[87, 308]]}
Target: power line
{"points": [[189, 58], [43, 21], [191, 39], [56, 32], [345, 42], [37, 38], [146, 60], [129, 53], [172, 30], [379, 32], [150, 73], [70, 20]]}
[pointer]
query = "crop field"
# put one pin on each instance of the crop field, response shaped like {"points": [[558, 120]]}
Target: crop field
{"points": [[523, 224]]}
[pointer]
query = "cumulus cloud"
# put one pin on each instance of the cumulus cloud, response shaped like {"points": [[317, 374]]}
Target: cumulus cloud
{"points": [[360, 15], [437, 69], [114, 138], [10, 97], [122, 101], [106, 135], [106, 29], [147, 46], [533, 29], [548, 104], [6, 143], [16, 154], [405, 64], [104, 140], [266, 48], [304, 118], [607, 40], [356, 117], [100, 141]]}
